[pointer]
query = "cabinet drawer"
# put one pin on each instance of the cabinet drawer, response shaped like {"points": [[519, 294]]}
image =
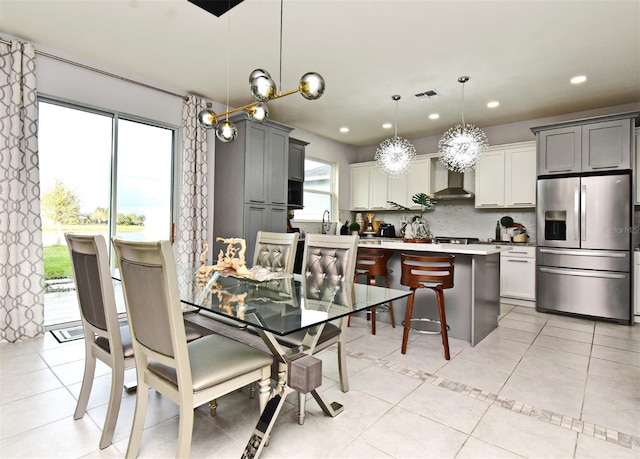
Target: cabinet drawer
{"points": [[519, 252]]}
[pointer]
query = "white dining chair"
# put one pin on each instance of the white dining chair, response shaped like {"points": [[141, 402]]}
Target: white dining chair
{"points": [[105, 338], [189, 374]]}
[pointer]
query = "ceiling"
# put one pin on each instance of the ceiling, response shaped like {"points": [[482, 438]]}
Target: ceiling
{"points": [[521, 53]]}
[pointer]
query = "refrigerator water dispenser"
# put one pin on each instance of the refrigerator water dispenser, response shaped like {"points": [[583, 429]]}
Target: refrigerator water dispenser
{"points": [[555, 225]]}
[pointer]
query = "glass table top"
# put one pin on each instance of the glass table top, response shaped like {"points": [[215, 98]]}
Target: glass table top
{"points": [[283, 306]]}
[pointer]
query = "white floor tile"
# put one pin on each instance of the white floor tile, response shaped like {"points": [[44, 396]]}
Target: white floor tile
{"points": [[383, 384], [445, 406], [524, 435], [403, 434], [593, 448], [582, 372], [474, 449]]}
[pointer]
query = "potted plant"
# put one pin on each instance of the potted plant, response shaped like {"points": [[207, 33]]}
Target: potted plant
{"points": [[417, 230], [354, 228]]}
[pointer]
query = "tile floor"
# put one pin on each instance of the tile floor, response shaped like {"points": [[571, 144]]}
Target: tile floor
{"points": [[538, 386]]}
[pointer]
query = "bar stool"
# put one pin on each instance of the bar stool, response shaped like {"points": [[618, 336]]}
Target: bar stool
{"points": [[372, 263], [432, 272]]}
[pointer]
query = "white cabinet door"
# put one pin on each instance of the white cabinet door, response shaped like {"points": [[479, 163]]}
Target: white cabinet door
{"points": [[397, 190], [506, 176], [359, 187], [520, 176], [490, 179], [377, 188], [518, 273], [418, 180]]}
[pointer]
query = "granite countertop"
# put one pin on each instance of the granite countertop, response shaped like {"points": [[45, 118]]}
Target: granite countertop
{"points": [[467, 249]]}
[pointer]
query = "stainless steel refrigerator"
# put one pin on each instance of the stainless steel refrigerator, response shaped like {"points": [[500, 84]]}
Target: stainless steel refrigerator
{"points": [[584, 256]]}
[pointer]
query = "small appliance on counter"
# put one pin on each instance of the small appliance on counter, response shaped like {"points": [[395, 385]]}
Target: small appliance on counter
{"points": [[387, 230]]}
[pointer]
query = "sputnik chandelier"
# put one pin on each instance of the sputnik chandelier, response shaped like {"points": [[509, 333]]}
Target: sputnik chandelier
{"points": [[395, 155], [263, 88], [461, 146]]}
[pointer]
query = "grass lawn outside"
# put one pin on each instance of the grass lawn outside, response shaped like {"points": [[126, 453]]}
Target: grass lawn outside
{"points": [[57, 262]]}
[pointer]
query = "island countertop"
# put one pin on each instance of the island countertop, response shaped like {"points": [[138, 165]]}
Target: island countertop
{"points": [[466, 249]]}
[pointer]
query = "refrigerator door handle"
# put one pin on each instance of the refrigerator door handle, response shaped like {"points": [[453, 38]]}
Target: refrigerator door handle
{"points": [[576, 213], [580, 273], [585, 253], [583, 212]]}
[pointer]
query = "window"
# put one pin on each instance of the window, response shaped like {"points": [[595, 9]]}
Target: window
{"points": [[319, 190], [100, 173]]}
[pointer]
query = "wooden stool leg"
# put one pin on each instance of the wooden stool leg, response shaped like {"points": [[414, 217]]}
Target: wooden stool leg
{"points": [[372, 281], [393, 317], [407, 321], [443, 322]]}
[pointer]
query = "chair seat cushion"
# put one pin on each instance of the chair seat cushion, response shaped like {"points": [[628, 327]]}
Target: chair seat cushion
{"points": [[215, 359], [126, 341], [329, 332]]}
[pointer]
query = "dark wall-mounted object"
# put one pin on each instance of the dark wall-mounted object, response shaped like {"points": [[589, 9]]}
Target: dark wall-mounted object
{"points": [[296, 173], [217, 8]]}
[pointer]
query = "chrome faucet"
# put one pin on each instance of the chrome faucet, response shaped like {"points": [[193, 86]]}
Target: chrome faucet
{"points": [[326, 224]]}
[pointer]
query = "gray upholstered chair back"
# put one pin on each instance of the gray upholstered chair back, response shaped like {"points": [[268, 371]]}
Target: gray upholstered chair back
{"points": [[94, 286], [329, 256], [89, 288], [148, 306], [152, 303], [276, 251]]}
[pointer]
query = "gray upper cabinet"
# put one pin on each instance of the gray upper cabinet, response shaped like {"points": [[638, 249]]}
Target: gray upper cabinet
{"points": [[560, 151], [296, 173], [267, 164], [296, 159], [597, 144], [607, 145], [251, 183]]}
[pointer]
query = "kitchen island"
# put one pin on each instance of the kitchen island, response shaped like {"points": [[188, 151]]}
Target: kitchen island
{"points": [[472, 305]]}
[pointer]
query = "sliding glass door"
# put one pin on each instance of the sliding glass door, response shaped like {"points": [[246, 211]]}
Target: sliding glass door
{"points": [[100, 173]]}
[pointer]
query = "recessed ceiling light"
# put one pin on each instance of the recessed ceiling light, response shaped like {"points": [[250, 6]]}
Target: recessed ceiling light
{"points": [[578, 79], [493, 104], [434, 116], [344, 129], [387, 125]]}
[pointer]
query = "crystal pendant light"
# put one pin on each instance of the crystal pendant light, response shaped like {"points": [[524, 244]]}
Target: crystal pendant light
{"points": [[395, 155], [461, 146]]}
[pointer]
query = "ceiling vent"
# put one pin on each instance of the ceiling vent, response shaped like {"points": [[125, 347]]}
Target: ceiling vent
{"points": [[430, 94]]}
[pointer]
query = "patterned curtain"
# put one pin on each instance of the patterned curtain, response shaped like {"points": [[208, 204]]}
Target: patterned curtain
{"points": [[192, 228], [21, 264]]}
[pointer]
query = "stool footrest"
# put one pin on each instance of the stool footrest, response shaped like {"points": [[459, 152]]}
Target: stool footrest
{"points": [[425, 326]]}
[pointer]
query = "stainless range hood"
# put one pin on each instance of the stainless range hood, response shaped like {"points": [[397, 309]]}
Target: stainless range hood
{"points": [[454, 189]]}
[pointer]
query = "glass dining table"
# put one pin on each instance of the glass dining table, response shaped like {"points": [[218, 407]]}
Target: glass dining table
{"points": [[276, 308]]}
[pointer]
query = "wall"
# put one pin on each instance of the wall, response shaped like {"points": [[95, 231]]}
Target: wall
{"points": [[342, 155], [71, 83], [68, 82], [333, 151], [460, 218], [506, 133]]}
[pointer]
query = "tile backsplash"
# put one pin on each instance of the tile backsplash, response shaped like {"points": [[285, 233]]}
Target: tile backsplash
{"points": [[448, 218]]}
